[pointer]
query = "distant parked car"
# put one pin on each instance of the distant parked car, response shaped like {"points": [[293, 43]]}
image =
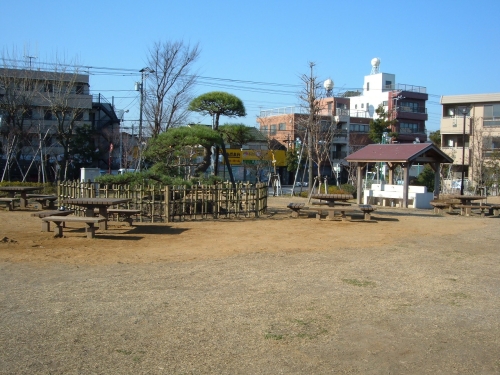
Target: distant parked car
{"points": [[301, 183]]}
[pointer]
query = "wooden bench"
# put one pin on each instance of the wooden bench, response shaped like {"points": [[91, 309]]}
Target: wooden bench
{"points": [[494, 209], [47, 201], [9, 202], [367, 211], [466, 210], [124, 213], [440, 206], [296, 207], [333, 210], [46, 226], [61, 220]]}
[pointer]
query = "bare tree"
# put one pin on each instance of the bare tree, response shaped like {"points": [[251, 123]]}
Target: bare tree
{"points": [[170, 84], [18, 89], [63, 97], [319, 130], [480, 140]]}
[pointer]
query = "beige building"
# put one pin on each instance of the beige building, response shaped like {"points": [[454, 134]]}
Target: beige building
{"points": [[470, 135], [40, 112]]}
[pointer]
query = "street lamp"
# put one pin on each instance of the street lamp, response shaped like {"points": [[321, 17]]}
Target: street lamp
{"points": [[464, 110], [140, 87]]}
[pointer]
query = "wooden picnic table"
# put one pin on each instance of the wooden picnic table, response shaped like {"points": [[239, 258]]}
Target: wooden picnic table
{"points": [[22, 190], [332, 198], [90, 204], [467, 199]]}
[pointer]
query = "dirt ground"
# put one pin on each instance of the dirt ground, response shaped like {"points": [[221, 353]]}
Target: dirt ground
{"points": [[410, 292]]}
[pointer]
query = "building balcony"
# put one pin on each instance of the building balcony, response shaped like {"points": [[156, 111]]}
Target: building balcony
{"points": [[339, 155], [454, 125], [456, 154], [410, 88]]}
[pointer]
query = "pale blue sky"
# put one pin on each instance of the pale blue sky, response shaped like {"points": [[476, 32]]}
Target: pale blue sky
{"points": [[450, 47]]}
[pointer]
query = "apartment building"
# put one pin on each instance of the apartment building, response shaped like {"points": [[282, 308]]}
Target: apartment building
{"points": [[39, 112], [403, 102], [350, 115], [470, 134]]}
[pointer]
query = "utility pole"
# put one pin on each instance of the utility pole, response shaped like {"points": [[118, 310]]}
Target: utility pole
{"points": [[144, 72], [310, 124]]}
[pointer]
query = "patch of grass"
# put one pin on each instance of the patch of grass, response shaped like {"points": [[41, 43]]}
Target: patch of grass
{"points": [[301, 322], [460, 295], [356, 282], [273, 336], [123, 351], [457, 297]]}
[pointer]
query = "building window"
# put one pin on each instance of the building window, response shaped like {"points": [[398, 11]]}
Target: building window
{"points": [[325, 125], [79, 89], [491, 115], [28, 114], [385, 103], [367, 86], [408, 128], [362, 105], [282, 126], [79, 116], [29, 86], [329, 107], [48, 87], [388, 84], [47, 115], [359, 128], [410, 107], [355, 106], [272, 130], [264, 129]]}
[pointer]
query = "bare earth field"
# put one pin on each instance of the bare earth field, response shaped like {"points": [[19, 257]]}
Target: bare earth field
{"points": [[408, 293]]}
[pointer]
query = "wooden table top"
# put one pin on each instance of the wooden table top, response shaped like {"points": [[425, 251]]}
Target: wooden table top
{"points": [[469, 197], [20, 188], [337, 197], [95, 201]]}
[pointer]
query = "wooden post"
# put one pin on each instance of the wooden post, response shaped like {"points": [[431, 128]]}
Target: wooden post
{"points": [[406, 173], [167, 204], [257, 200], [360, 183]]}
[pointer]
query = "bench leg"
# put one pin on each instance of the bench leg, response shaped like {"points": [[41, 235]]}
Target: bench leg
{"points": [[368, 216], [59, 229], [331, 215], [295, 213], [465, 211], [90, 230], [45, 226], [343, 216], [318, 216]]}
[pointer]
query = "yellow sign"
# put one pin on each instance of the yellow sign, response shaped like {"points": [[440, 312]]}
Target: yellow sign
{"points": [[237, 156], [234, 156]]}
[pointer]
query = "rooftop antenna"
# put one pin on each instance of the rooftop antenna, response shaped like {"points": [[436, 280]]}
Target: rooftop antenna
{"points": [[27, 56], [375, 65], [328, 85]]}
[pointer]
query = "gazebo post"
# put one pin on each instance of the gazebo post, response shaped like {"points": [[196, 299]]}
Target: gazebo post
{"points": [[360, 182], [391, 173], [437, 179], [406, 186]]}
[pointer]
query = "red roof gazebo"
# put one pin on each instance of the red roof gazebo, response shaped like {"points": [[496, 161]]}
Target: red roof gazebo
{"points": [[405, 155]]}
